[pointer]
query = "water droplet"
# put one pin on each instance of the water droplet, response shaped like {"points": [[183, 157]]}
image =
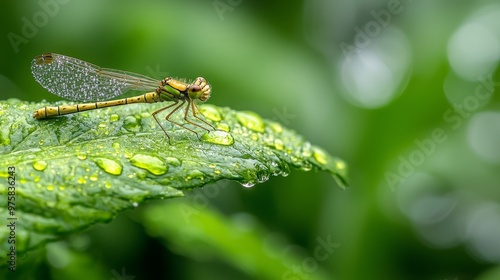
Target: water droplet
{"points": [[114, 118], [102, 125], [115, 145], [173, 161], [306, 150], [248, 184], [195, 174], [93, 177], [254, 136], [217, 171], [81, 181], [285, 169], [306, 167], [262, 173], [212, 165], [211, 112], [218, 137], [41, 142], [320, 156], [278, 144], [40, 165], [50, 188], [340, 164], [110, 166], [131, 124], [276, 127], [135, 204], [251, 120], [150, 163], [62, 188], [82, 156], [224, 127], [107, 185]]}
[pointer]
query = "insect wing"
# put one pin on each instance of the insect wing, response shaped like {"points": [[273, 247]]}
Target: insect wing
{"points": [[77, 80]]}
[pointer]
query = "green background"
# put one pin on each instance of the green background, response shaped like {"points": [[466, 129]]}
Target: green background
{"points": [[395, 88]]}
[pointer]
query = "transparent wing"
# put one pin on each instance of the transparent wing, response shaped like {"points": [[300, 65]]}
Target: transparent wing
{"points": [[77, 80]]}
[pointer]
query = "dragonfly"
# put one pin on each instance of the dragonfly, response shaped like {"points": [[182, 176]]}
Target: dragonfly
{"points": [[76, 80]]}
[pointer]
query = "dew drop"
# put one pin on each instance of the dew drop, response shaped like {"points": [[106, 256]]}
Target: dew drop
{"points": [[251, 120], [135, 204], [278, 144], [262, 173], [110, 166], [320, 156], [150, 163], [276, 127], [306, 150], [81, 156], [248, 184], [50, 188], [211, 112], [340, 164], [218, 137], [224, 127], [114, 118], [131, 124], [195, 174], [40, 165], [173, 161], [306, 167], [285, 169]]}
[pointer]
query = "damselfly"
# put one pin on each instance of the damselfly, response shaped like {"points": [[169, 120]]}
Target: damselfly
{"points": [[77, 80]]}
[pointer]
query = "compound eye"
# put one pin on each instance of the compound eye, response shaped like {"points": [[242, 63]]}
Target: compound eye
{"points": [[195, 88]]}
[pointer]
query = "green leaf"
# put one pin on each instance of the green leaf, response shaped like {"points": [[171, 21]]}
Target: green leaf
{"points": [[76, 170]]}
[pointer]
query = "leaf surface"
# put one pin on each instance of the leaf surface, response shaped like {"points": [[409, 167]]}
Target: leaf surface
{"points": [[77, 170]]}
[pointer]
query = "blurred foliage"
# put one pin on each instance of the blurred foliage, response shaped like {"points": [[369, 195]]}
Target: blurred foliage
{"points": [[404, 91]]}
